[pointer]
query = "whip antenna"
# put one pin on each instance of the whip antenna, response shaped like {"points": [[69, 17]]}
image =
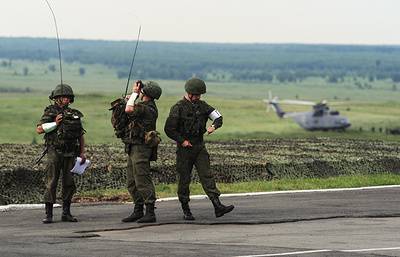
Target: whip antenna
{"points": [[58, 39], [133, 60]]}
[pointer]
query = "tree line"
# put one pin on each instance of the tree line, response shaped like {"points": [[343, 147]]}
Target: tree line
{"points": [[217, 61]]}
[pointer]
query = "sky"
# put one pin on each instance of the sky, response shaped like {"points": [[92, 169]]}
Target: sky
{"points": [[224, 21]]}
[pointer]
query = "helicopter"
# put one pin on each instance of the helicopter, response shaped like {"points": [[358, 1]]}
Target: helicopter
{"points": [[321, 117]]}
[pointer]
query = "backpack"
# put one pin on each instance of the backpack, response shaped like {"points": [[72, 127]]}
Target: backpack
{"points": [[119, 119]]}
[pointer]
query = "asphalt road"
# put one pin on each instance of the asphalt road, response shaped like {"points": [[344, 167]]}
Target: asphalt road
{"points": [[341, 223]]}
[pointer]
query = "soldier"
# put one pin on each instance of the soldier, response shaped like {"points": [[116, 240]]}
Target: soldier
{"points": [[143, 117], [186, 125], [64, 142]]}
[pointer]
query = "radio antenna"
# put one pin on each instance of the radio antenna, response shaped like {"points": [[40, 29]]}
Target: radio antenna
{"points": [[133, 60], [58, 39]]}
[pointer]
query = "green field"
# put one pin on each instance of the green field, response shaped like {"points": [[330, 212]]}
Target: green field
{"points": [[364, 85], [169, 190], [240, 103]]}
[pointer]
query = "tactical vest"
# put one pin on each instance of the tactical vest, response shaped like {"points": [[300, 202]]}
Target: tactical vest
{"points": [[192, 118], [70, 128], [66, 137], [132, 129], [145, 122]]}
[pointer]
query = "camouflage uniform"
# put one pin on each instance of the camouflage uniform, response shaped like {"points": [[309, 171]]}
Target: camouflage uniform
{"points": [[63, 146], [187, 120], [60, 156], [142, 120], [140, 184]]}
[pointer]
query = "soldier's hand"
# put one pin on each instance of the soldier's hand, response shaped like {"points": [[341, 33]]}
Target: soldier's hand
{"points": [[186, 143], [210, 129], [59, 119], [83, 159], [136, 87]]}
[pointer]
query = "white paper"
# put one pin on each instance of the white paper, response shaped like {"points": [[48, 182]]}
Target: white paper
{"points": [[78, 168]]}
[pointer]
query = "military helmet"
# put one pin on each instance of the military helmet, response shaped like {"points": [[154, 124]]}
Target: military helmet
{"points": [[152, 89], [195, 86], [62, 90]]}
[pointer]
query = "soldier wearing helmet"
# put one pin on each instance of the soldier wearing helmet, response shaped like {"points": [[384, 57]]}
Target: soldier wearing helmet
{"points": [[142, 112], [186, 124], [64, 142]]}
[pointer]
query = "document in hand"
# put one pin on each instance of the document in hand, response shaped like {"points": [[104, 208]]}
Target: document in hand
{"points": [[78, 168]]}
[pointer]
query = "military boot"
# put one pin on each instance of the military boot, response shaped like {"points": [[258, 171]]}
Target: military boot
{"points": [[49, 213], [219, 208], [66, 213], [187, 214], [135, 215], [149, 216]]}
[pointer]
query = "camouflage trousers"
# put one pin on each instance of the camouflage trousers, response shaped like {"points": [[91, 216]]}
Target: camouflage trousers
{"points": [[140, 184], [196, 156], [59, 165]]}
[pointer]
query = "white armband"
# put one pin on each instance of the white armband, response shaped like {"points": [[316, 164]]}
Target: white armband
{"points": [[214, 115], [132, 99], [48, 127]]}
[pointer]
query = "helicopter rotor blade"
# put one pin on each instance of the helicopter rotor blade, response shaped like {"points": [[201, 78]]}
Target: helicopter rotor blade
{"points": [[298, 102], [267, 103], [337, 103]]}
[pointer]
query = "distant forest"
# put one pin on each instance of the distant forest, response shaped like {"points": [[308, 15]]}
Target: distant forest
{"points": [[217, 61]]}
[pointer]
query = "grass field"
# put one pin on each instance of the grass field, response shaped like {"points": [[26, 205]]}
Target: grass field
{"points": [[240, 103], [169, 190], [24, 97]]}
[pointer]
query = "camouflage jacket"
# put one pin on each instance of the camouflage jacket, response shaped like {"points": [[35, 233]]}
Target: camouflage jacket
{"points": [[142, 119], [66, 137], [188, 121]]}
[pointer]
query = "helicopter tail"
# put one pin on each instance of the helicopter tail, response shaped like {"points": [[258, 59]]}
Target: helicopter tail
{"points": [[277, 108], [273, 102]]}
